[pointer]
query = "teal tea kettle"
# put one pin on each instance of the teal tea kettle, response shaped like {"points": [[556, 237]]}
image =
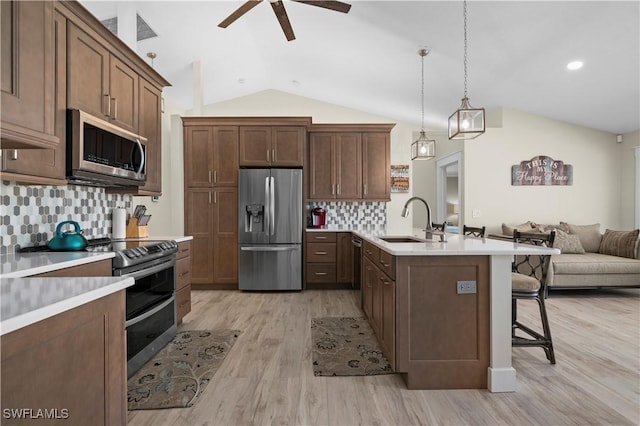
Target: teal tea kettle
{"points": [[68, 240]]}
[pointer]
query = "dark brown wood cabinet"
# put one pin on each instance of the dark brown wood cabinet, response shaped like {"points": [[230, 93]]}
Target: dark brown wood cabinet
{"points": [[211, 155], [349, 162], [27, 76], [272, 146], [100, 268], [329, 259], [183, 280], [344, 258], [74, 361], [150, 127]]}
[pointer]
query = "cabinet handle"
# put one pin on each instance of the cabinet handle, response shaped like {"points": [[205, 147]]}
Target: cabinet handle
{"points": [[321, 238], [209, 176], [368, 252], [209, 198], [215, 197], [338, 189], [383, 264], [365, 188], [115, 108], [321, 253], [183, 274], [215, 176], [333, 189], [14, 154], [108, 99], [268, 156], [273, 155], [320, 273]]}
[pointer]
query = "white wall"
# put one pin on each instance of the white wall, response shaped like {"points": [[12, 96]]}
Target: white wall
{"points": [[628, 190], [594, 196]]}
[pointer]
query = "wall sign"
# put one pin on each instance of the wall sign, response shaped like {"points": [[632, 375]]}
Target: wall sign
{"points": [[541, 170], [400, 178]]}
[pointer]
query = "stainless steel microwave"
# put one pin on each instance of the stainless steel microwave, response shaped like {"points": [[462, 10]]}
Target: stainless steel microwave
{"points": [[101, 154]]}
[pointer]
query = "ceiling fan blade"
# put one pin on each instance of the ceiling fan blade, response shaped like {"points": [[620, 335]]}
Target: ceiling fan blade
{"points": [[338, 6], [239, 12], [281, 14]]}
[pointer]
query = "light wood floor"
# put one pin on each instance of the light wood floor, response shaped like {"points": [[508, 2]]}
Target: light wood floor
{"points": [[267, 376]]}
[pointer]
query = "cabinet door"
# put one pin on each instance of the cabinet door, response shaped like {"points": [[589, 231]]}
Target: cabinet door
{"points": [[225, 155], [198, 154], [28, 83], [287, 147], [225, 236], [376, 301], [321, 166], [123, 95], [47, 163], [150, 126], [199, 224], [348, 158], [387, 335], [368, 277], [376, 173], [255, 145], [344, 266], [87, 73]]}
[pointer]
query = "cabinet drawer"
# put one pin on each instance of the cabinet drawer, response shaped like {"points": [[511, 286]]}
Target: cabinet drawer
{"points": [[321, 272], [183, 302], [387, 264], [183, 272], [321, 252], [321, 237], [184, 249], [371, 251]]}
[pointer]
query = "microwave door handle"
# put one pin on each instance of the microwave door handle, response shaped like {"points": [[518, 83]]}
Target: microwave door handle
{"points": [[141, 168]]}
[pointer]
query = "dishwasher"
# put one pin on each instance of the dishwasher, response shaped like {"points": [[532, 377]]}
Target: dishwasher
{"points": [[357, 264]]}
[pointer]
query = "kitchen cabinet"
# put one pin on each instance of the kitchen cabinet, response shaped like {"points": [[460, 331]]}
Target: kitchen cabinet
{"points": [[349, 162], [344, 258], [99, 83], [44, 166], [272, 146], [210, 155], [211, 217], [74, 363], [183, 280], [150, 127], [27, 98], [329, 259], [101, 268]]}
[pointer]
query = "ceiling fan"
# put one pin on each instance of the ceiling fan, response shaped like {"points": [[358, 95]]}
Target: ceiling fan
{"points": [[281, 13]]}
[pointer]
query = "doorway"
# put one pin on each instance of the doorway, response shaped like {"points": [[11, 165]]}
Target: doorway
{"points": [[449, 179]]}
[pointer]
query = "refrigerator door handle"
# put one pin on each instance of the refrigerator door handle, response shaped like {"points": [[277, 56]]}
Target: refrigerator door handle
{"points": [[272, 206], [267, 206], [268, 248]]}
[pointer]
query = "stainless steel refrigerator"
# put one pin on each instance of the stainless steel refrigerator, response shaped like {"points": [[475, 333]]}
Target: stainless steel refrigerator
{"points": [[270, 229]]}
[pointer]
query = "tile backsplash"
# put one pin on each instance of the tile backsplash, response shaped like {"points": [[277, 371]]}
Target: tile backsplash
{"points": [[352, 214], [29, 214]]}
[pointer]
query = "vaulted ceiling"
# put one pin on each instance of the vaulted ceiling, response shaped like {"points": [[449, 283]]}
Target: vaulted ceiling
{"points": [[368, 59]]}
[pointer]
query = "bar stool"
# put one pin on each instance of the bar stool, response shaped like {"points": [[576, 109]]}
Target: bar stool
{"points": [[528, 281], [473, 232]]}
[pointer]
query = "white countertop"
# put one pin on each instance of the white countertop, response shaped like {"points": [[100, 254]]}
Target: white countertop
{"points": [[24, 301], [455, 245], [18, 265]]}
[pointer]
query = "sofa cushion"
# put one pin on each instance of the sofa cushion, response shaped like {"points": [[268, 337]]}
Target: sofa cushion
{"points": [[523, 227], [619, 243], [593, 263], [589, 236], [567, 243]]}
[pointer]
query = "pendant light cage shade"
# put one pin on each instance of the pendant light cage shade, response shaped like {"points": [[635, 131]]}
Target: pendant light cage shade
{"points": [[467, 122], [423, 148]]}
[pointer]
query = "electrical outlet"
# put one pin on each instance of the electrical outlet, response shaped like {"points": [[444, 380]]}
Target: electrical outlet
{"points": [[466, 287], [475, 213]]}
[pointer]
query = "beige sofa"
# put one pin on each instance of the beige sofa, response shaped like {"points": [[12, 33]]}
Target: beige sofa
{"points": [[589, 258]]}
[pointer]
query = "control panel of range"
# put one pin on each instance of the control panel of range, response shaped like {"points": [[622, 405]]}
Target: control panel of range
{"points": [[135, 255]]}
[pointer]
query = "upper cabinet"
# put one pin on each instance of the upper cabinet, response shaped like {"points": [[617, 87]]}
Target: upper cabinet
{"points": [[349, 162], [27, 81], [266, 146], [99, 83]]}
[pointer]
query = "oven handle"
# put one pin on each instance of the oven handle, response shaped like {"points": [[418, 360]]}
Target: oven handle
{"points": [[151, 312], [148, 271]]}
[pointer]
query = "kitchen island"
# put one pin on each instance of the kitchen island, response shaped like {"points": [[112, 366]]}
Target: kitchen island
{"points": [[442, 310]]}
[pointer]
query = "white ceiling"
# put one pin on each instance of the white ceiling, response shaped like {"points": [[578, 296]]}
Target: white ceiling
{"points": [[368, 59]]}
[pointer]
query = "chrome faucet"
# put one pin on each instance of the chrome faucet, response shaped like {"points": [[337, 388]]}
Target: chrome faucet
{"points": [[428, 231]]}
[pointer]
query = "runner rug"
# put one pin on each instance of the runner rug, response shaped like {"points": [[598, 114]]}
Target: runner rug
{"points": [[178, 374]]}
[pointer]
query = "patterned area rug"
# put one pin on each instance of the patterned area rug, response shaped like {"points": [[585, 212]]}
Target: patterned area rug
{"points": [[179, 373], [344, 346]]}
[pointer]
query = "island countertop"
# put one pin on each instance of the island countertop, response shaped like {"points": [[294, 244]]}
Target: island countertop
{"points": [[19, 265], [24, 301]]}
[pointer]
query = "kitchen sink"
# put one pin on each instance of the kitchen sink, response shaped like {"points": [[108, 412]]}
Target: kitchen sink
{"points": [[402, 239]]}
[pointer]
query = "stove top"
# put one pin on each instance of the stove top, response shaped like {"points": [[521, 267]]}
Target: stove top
{"points": [[128, 253]]}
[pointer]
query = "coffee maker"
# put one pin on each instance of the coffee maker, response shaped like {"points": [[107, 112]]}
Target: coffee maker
{"points": [[318, 218]]}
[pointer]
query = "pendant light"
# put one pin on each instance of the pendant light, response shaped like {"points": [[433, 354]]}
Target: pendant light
{"points": [[423, 148], [467, 122]]}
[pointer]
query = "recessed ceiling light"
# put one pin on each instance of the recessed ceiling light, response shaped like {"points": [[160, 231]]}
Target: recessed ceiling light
{"points": [[574, 65], [241, 80]]}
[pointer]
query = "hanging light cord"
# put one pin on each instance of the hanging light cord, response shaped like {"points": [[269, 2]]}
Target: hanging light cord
{"points": [[422, 53], [464, 12]]}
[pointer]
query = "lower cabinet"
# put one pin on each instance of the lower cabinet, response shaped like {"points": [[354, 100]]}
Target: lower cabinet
{"points": [[101, 268], [329, 259], [74, 363], [379, 288], [183, 280]]}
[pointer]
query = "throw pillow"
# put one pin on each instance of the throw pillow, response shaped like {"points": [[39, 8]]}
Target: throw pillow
{"points": [[523, 227], [589, 236], [619, 243], [567, 243]]}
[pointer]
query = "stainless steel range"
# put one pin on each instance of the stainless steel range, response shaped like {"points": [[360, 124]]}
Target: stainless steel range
{"points": [[150, 302]]}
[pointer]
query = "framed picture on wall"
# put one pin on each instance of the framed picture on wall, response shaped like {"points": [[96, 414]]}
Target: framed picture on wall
{"points": [[400, 178]]}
